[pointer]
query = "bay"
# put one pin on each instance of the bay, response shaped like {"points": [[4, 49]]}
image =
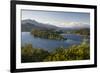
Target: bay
{"points": [[47, 44]]}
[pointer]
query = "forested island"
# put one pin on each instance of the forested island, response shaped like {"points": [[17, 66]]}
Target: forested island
{"points": [[56, 35], [47, 34]]}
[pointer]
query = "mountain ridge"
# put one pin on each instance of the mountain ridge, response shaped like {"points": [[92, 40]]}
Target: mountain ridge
{"points": [[28, 25]]}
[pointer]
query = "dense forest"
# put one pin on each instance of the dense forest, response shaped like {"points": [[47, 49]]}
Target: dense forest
{"points": [[47, 34], [74, 52], [55, 35]]}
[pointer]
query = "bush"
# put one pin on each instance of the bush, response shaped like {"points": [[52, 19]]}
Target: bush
{"points": [[30, 54], [75, 52]]}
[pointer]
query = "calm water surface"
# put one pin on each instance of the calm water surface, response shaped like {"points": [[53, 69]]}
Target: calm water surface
{"points": [[47, 44]]}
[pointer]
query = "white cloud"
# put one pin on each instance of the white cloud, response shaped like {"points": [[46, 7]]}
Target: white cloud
{"points": [[73, 24]]}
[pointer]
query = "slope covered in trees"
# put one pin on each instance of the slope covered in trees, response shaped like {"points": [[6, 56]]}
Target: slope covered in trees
{"points": [[75, 52], [47, 34]]}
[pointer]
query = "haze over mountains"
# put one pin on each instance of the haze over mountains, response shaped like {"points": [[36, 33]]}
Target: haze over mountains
{"points": [[28, 24]]}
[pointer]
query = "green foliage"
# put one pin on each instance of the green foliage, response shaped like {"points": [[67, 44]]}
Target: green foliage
{"points": [[75, 52], [30, 54], [48, 34], [85, 31]]}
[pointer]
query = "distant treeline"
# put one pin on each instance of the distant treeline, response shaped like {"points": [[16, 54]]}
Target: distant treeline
{"points": [[75, 52], [56, 35], [85, 31], [47, 34]]}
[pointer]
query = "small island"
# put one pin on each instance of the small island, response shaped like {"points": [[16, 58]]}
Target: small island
{"points": [[47, 34]]}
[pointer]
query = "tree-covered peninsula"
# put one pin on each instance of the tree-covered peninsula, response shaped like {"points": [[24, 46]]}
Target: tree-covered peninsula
{"points": [[47, 34]]}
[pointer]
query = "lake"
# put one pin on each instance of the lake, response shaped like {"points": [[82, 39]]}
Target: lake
{"points": [[47, 44]]}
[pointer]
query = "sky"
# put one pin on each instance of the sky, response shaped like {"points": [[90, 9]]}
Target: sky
{"points": [[60, 19]]}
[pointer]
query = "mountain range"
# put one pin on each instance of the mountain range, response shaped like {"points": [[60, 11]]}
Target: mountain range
{"points": [[28, 24]]}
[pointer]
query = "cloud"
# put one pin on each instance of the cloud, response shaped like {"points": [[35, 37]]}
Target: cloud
{"points": [[73, 25]]}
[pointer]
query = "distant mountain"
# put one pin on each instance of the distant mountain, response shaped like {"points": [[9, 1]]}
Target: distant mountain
{"points": [[28, 25]]}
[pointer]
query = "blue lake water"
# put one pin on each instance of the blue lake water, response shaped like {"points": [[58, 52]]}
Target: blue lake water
{"points": [[48, 44]]}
